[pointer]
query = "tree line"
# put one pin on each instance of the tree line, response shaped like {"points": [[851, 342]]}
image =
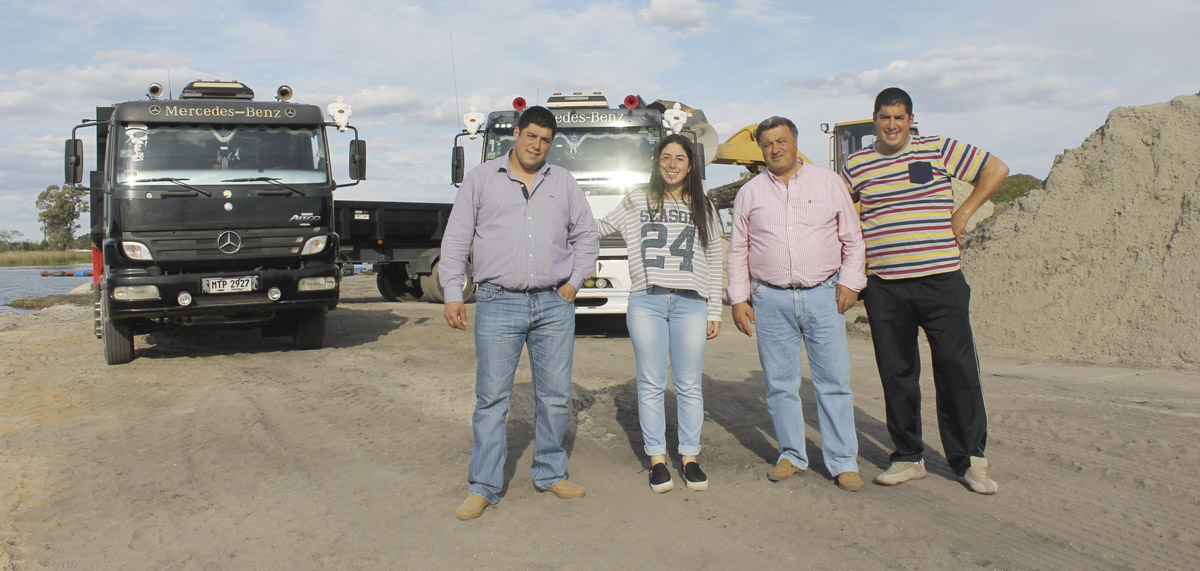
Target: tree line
{"points": [[59, 209]]}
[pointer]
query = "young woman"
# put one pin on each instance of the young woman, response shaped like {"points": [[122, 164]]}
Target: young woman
{"points": [[671, 231]]}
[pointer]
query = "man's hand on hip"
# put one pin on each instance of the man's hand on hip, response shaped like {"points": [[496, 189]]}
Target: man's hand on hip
{"points": [[456, 314]]}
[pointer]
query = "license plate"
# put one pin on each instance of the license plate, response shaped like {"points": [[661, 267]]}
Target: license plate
{"points": [[229, 285]]}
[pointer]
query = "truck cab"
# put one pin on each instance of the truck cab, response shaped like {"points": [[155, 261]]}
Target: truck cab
{"points": [[211, 209]]}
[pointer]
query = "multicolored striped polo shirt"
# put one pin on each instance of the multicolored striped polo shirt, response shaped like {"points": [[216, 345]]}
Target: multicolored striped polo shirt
{"points": [[907, 201]]}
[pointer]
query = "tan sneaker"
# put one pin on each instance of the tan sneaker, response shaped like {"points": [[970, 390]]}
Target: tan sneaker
{"points": [[472, 507], [849, 481], [900, 472], [566, 490], [977, 477], [783, 470]]}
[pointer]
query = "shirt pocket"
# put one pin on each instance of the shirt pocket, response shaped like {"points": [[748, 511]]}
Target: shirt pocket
{"points": [[816, 213], [920, 172]]}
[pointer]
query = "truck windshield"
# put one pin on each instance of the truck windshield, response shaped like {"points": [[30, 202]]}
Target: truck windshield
{"points": [[210, 154], [619, 155]]}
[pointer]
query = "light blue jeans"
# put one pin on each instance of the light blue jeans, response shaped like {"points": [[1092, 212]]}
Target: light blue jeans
{"points": [[783, 319], [669, 327], [506, 321]]}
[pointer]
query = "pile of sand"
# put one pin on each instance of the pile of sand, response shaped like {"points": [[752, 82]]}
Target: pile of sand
{"points": [[1102, 263]]}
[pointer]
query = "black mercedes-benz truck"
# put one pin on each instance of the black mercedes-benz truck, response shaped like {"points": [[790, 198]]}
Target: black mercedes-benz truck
{"points": [[213, 209]]}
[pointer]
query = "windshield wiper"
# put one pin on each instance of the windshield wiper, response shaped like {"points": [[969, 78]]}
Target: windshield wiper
{"points": [[178, 181], [272, 180]]}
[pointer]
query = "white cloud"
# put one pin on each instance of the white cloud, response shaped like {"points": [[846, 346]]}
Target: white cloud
{"points": [[970, 78], [679, 16], [766, 12]]}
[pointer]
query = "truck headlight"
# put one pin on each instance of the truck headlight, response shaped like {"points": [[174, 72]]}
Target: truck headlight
{"points": [[136, 251], [317, 284], [314, 245], [135, 293]]}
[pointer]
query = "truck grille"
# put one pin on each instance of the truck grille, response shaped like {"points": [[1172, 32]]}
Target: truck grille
{"points": [[194, 245]]}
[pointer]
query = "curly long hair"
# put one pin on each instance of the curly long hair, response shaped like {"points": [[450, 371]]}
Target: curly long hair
{"points": [[702, 210]]}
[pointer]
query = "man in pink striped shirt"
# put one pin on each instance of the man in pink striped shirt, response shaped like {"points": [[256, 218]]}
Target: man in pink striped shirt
{"points": [[795, 264]]}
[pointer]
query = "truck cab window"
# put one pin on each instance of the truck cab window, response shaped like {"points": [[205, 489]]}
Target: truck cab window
{"points": [[206, 154]]}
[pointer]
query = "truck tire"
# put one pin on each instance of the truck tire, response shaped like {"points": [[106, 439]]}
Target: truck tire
{"points": [[117, 335], [310, 328], [432, 284], [394, 285]]}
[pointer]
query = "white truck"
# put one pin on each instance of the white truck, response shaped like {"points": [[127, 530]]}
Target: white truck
{"points": [[609, 151]]}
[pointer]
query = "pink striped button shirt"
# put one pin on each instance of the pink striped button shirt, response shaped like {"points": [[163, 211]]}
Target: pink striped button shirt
{"points": [[794, 233]]}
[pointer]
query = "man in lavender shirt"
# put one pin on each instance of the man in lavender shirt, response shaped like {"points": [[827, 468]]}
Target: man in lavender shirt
{"points": [[535, 241], [796, 263]]}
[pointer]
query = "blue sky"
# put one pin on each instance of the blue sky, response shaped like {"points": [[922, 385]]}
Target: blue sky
{"points": [[1022, 79]]}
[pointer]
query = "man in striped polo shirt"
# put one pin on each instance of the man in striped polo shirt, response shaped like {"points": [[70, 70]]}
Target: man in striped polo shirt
{"points": [[913, 234]]}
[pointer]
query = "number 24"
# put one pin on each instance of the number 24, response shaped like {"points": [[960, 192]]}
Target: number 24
{"points": [[682, 246]]}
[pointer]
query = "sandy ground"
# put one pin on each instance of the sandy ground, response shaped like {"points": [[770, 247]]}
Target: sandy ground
{"points": [[219, 449]]}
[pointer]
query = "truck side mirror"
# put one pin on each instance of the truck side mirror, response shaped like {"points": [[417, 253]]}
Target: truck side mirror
{"points": [[74, 161], [458, 163], [698, 147], [358, 159]]}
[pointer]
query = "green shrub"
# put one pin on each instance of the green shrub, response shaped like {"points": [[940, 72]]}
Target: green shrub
{"points": [[1014, 187]]}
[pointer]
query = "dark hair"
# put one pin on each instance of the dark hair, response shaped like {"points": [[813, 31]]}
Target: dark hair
{"points": [[892, 96], [773, 122], [539, 116], [693, 187]]}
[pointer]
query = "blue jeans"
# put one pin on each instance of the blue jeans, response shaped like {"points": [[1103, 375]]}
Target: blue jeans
{"points": [[506, 321], [669, 327], [783, 318]]}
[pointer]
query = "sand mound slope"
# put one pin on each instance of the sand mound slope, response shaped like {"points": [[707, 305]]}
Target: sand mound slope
{"points": [[1102, 262]]}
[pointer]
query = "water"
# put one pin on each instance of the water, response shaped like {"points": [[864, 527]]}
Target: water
{"points": [[29, 282]]}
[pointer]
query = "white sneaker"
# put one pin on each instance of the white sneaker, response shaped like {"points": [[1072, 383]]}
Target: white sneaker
{"points": [[977, 477], [900, 472]]}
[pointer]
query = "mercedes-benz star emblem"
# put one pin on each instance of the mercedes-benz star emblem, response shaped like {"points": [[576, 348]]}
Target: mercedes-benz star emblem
{"points": [[154, 110], [229, 242]]}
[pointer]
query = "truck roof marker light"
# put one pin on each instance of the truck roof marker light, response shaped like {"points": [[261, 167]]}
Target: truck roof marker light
{"points": [[472, 121], [632, 102], [519, 104], [216, 90]]}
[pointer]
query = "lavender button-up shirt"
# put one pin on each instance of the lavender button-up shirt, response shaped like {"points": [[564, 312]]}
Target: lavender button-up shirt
{"points": [[544, 240]]}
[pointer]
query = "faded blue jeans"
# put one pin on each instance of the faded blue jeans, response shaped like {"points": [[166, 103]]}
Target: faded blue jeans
{"points": [[783, 319], [669, 327], [505, 322]]}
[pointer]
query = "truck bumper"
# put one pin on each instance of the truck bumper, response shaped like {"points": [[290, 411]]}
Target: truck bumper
{"points": [[225, 304], [613, 267], [592, 301]]}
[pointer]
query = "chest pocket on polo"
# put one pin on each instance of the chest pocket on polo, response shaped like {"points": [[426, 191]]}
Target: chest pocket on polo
{"points": [[920, 172]]}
